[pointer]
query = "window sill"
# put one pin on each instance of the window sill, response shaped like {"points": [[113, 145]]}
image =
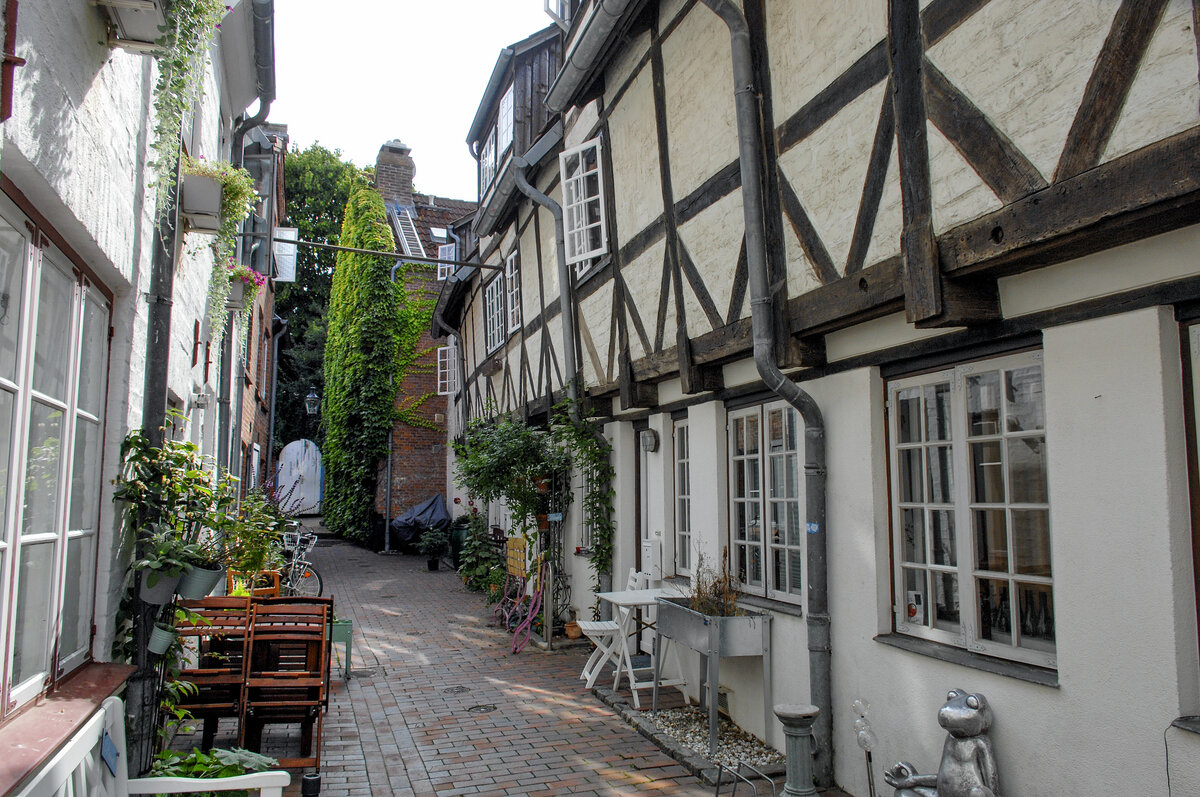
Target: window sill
{"points": [[31, 737], [1189, 724], [777, 607], [965, 658]]}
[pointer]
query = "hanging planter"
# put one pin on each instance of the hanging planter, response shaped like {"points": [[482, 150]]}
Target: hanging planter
{"points": [[198, 582], [162, 590], [200, 203], [236, 300], [161, 638]]}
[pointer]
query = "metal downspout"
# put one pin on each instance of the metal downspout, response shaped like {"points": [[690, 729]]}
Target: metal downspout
{"points": [[278, 330], [564, 280], [763, 328], [264, 67]]}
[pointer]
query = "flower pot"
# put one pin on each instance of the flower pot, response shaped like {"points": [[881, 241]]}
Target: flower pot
{"points": [[573, 630], [198, 582], [200, 202], [161, 637], [162, 590], [237, 295]]}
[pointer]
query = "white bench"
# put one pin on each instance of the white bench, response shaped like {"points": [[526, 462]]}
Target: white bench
{"points": [[79, 768]]}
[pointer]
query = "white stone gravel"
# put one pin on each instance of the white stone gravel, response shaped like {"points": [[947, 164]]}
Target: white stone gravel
{"points": [[688, 725]]}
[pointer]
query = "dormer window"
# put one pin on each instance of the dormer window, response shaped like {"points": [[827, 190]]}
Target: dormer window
{"points": [[504, 123], [560, 12], [438, 233]]}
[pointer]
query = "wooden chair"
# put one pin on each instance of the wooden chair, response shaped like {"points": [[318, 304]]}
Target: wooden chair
{"points": [[214, 637], [287, 672], [79, 767], [263, 584]]}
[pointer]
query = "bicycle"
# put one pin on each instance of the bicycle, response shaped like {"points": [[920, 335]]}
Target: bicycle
{"points": [[298, 577]]}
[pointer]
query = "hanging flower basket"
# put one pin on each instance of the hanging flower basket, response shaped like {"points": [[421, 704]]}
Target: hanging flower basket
{"points": [[198, 582], [237, 295], [200, 203], [161, 637]]}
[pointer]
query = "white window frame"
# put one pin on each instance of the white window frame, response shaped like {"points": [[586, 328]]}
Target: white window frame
{"points": [[493, 313], [559, 11], [941, 502], [73, 519], [438, 234], [585, 225], [447, 370], [504, 124], [512, 293], [487, 163], [753, 502], [681, 453], [446, 252]]}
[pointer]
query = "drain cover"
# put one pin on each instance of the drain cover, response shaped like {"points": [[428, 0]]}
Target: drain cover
{"points": [[456, 690], [483, 708]]}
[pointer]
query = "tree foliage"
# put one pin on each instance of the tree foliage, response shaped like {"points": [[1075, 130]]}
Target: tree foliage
{"points": [[317, 183], [361, 353]]}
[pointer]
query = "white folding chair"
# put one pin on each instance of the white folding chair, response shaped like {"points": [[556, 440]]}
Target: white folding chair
{"points": [[606, 636]]}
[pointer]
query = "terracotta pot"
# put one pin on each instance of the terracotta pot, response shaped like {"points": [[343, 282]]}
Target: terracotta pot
{"points": [[573, 630]]}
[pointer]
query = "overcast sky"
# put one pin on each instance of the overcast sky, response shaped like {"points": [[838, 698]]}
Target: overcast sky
{"points": [[353, 74]]}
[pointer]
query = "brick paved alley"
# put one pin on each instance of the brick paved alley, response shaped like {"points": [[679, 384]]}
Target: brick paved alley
{"points": [[423, 658]]}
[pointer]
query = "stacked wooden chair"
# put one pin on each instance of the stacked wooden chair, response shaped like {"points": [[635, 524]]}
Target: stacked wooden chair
{"points": [[287, 672], [213, 632]]}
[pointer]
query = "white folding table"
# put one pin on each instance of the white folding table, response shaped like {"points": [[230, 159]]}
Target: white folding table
{"points": [[627, 603]]}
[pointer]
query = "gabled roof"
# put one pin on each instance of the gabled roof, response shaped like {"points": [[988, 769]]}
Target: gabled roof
{"points": [[496, 83]]}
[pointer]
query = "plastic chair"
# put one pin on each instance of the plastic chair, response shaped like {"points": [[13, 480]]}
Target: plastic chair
{"points": [[606, 636]]}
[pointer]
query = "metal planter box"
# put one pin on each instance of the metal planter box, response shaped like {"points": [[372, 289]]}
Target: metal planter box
{"points": [[724, 636], [200, 202], [138, 23]]}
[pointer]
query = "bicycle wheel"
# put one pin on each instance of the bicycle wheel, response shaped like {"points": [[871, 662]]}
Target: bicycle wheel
{"points": [[308, 584]]}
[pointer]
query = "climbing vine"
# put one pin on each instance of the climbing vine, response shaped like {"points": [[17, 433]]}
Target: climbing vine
{"points": [[366, 331], [416, 314], [591, 455]]}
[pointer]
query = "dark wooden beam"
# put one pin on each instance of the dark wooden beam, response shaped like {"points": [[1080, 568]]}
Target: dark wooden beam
{"points": [[1149, 191], [810, 241], [741, 280], [877, 168], [696, 281], [990, 152], [929, 300], [922, 287], [1117, 65], [632, 392]]}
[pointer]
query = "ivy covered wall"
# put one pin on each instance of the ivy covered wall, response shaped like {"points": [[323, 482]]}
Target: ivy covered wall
{"points": [[362, 352]]}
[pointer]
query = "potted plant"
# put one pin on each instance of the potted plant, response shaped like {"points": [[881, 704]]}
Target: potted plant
{"points": [[165, 558], [434, 543], [214, 763], [162, 636], [216, 197]]}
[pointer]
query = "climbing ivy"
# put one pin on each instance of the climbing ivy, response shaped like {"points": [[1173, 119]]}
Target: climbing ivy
{"points": [[591, 455], [366, 330]]}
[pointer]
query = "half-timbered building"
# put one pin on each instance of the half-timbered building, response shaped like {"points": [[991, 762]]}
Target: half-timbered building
{"points": [[890, 308]]}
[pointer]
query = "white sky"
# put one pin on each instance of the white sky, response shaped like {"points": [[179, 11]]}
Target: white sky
{"points": [[353, 74]]}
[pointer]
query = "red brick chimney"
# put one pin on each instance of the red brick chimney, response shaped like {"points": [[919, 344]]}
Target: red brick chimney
{"points": [[394, 170]]}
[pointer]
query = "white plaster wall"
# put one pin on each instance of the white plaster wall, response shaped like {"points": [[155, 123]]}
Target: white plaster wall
{"points": [[634, 149], [643, 280], [1165, 257], [594, 318], [702, 135], [714, 239], [878, 333]]}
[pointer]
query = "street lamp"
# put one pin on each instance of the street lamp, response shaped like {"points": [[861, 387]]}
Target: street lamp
{"points": [[312, 402]]}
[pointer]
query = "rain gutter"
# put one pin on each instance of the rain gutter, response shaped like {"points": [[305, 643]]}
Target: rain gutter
{"points": [[584, 51]]}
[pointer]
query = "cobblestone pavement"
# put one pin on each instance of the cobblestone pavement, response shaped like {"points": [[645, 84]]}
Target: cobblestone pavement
{"points": [[438, 705]]}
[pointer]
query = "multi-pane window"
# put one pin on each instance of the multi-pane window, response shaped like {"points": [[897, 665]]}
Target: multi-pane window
{"points": [[504, 123], [512, 282], [493, 313], [446, 252], [447, 370], [683, 501], [559, 11], [970, 508], [487, 163], [767, 546], [583, 204], [53, 378]]}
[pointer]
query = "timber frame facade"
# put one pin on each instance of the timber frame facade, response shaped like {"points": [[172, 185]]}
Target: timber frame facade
{"points": [[983, 264]]}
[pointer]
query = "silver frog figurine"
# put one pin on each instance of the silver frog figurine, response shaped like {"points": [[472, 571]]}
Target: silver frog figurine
{"points": [[968, 767]]}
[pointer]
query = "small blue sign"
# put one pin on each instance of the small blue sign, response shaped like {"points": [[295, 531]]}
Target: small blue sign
{"points": [[555, 517], [813, 528], [108, 752]]}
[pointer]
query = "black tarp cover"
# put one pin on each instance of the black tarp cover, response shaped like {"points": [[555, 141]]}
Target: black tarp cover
{"points": [[429, 514]]}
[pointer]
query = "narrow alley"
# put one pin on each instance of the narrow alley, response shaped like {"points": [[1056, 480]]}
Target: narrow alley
{"points": [[436, 703]]}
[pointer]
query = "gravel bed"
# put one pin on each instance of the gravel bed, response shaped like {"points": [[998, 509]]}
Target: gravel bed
{"points": [[688, 725]]}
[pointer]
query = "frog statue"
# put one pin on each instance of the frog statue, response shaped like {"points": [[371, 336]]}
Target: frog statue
{"points": [[968, 766]]}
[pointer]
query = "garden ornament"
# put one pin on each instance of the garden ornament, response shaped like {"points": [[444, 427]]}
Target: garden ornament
{"points": [[968, 767]]}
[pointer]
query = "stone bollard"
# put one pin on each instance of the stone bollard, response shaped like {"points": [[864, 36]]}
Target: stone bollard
{"points": [[797, 727]]}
